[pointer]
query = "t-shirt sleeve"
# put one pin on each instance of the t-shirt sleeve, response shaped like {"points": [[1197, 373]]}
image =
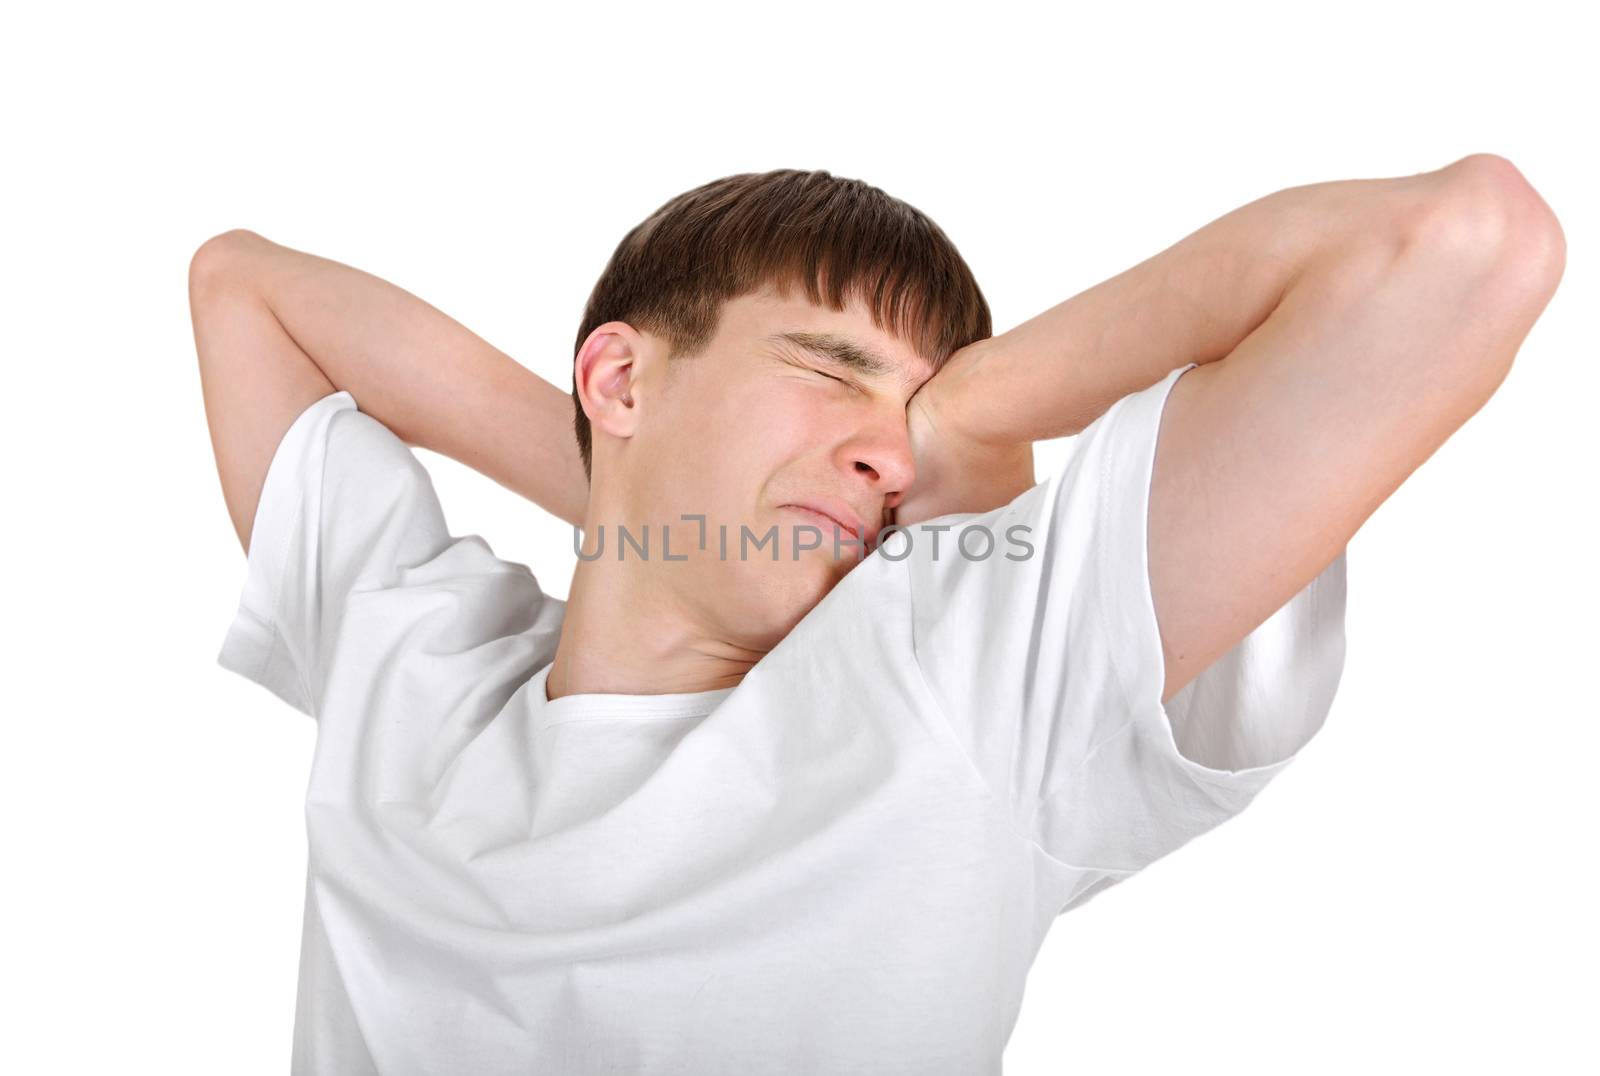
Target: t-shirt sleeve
{"points": [[1046, 662], [348, 507]]}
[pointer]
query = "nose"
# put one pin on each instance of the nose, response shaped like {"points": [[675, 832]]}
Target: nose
{"points": [[881, 462]]}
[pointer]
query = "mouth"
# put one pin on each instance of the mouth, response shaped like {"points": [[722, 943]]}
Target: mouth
{"points": [[829, 522]]}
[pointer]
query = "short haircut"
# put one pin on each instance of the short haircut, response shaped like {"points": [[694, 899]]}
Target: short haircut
{"points": [[831, 236]]}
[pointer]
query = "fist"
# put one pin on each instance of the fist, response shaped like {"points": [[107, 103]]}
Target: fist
{"points": [[955, 473]]}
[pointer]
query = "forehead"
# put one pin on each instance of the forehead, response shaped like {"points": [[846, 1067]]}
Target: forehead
{"points": [[846, 338]]}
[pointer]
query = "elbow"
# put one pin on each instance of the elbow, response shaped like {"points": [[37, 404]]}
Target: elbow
{"points": [[1486, 219], [215, 261], [1495, 253]]}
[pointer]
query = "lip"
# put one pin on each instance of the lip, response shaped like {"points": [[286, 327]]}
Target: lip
{"points": [[837, 513]]}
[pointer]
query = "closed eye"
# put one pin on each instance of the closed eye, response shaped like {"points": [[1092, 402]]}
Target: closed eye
{"points": [[812, 369], [852, 386], [823, 373]]}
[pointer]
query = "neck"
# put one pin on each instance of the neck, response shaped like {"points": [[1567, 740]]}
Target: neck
{"points": [[625, 633]]}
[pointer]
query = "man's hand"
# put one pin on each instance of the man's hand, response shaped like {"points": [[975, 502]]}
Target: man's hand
{"points": [[955, 472]]}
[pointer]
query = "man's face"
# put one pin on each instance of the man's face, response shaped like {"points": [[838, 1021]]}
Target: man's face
{"points": [[745, 433]]}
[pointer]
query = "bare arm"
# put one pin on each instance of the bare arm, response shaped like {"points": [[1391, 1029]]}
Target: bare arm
{"points": [[254, 380], [1196, 301], [1344, 330], [428, 378], [1271, 459], [1053, 375]]}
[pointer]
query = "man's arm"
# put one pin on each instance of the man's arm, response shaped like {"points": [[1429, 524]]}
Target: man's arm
{"points": [[255, 382], [1345, 330], [428, 378], [1053, 375]]}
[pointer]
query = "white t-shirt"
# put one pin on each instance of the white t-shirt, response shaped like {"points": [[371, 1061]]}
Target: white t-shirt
{"points": [[846, 863]]}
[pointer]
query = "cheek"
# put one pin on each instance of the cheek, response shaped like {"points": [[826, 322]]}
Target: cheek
{"points": [[760, 430], [791, 416], [725, 455], [711, 461]]}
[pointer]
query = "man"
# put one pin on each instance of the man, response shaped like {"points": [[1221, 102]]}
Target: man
{"points": [[744, 805]]}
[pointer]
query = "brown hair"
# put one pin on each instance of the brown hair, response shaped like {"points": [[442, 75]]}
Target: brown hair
{"points": [[834, 237]]}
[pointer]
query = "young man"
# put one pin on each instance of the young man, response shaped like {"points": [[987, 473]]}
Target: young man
{"points": [[784, 807]]}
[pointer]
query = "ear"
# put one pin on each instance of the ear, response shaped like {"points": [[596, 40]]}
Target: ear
{"points": [[606, 375]]}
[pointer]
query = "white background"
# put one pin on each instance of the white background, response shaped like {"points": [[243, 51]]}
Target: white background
{"points": [[1415, 893]]}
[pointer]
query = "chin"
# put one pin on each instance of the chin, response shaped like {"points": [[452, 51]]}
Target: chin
{"points": [[786, 597]]}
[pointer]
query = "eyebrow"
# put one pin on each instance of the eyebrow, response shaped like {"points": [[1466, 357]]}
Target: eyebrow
{"points": [[838, 350]]}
